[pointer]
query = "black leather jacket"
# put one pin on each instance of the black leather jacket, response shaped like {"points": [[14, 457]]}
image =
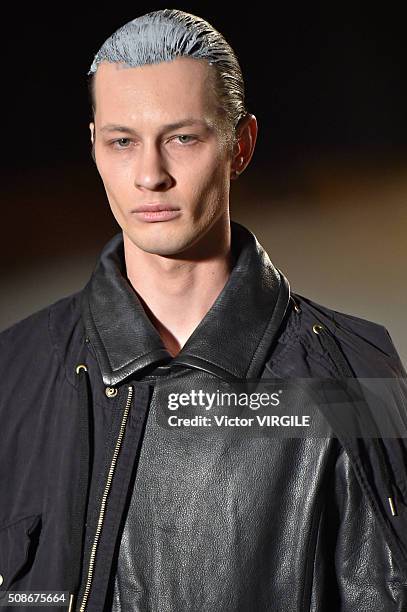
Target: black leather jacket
{"points": [[98, 497]]}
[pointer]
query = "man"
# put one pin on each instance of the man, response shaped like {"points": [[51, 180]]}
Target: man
{"points": [[100, 495]]}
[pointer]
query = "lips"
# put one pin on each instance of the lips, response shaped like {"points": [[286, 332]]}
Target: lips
{"points": [[156, 213], [154, 208]]}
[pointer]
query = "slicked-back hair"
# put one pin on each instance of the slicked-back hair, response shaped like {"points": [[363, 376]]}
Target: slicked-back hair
{"points": [[164, 35]]}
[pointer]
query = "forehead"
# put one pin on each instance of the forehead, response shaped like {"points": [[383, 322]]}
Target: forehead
{"points": [[181, 85]]}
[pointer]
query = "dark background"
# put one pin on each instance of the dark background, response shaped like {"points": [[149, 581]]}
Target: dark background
{"points": [[328, 88]]}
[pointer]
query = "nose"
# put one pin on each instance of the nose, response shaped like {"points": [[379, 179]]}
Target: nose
{"points": [[150, 172]]}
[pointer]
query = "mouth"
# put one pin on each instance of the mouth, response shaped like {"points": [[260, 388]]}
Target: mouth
{"points": [[156, 212], [154, 208]]}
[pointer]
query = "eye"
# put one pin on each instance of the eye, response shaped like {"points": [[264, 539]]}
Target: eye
{"points": [[120, 140], [185, 136]]}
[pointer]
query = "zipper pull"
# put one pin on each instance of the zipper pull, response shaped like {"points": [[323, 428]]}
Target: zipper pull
{"points": [[392, 506], [71, 602]]}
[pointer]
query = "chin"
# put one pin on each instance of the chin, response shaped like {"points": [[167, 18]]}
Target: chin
{"points": [[158, 245]]}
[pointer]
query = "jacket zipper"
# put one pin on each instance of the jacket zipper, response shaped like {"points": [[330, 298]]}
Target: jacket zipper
{"points": [[104, 500]]}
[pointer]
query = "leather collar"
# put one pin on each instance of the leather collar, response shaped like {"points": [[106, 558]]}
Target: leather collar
{"points": [[231, 341]]}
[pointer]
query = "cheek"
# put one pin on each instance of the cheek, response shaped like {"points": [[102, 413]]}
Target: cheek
{"points": [[206, 173], [209, 189], [218, 181], [116, 177]]}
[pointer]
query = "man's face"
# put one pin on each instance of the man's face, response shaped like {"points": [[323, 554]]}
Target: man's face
{"points": [[187, 167]]}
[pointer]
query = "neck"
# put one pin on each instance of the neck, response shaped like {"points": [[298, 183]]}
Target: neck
{"points": [[177, 293]]}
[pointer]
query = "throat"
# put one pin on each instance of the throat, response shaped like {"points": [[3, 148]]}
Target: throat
{"points": [[172, 343]]}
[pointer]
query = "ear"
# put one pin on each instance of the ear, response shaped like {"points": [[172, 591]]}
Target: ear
{"points": [[246, 136], [92, 138], [92, 131]]}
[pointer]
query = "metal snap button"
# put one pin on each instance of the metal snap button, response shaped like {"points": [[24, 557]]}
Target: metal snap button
{"points": [[296, 307], [110, 391], [317, 328]]}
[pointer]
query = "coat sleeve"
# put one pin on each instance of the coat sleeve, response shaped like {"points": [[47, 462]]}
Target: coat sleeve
{"points": [[363, 575]]}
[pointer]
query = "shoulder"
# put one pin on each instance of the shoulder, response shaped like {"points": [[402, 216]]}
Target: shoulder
{"points": [[42, 331], [367, 344]]}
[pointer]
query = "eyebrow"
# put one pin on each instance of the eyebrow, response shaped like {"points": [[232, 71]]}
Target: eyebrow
{"points": [[112, 127]]}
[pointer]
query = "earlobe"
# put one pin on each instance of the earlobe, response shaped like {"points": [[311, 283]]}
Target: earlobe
{"points": [[237, 168]]}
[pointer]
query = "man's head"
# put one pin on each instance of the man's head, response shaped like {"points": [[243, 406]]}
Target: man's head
{"points": [[162, 69]]}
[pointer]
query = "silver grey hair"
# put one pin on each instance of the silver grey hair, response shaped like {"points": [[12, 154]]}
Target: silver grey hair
{"points": [[163, 35]]}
